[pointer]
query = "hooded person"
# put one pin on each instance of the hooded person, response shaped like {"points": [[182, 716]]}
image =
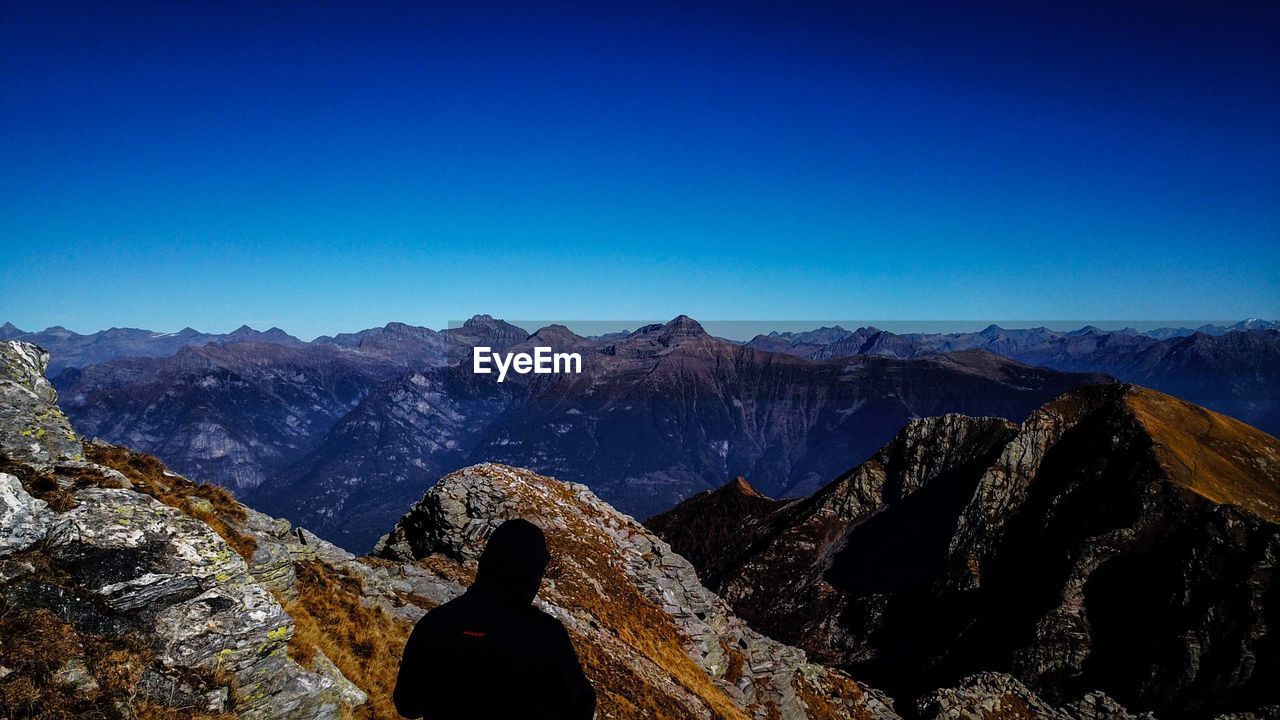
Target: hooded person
{"points": [[490, 653]]}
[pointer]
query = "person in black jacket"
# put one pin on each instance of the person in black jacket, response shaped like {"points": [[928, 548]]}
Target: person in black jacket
{"points": [[490, 653]]}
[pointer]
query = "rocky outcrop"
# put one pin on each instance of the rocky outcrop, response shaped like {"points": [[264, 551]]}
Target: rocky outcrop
{"points": [[988, 696], [31, 425], [22, 517], [131, 603], [624, 594], [999, 696], [1119, 541]]}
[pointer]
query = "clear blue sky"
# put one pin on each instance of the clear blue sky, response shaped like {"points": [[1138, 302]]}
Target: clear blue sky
{"points": [[331, 166]]}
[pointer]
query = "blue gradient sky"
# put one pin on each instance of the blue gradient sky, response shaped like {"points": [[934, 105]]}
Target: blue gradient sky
{"points": [[326, 167]]}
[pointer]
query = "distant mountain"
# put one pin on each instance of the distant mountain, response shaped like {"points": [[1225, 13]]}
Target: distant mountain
{"points": [[1232, 369], [664, 413], [69, 349], [9, 332], [404, 345], [235, 414], [359, 423], [399, 340], [1119, 539], [239, 412]]}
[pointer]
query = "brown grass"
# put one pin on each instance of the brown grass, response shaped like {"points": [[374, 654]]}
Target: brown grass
{"points": [[837, 694], [737, 661], [1217, 457], [635, 620], [35, 644], [148, 476], [364, 642], [1011, 707]]}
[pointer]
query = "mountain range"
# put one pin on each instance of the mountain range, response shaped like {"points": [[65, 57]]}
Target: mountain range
{"points": [[1232, 369], [342, 438], [342, 432], [409, 342], [70, 349]]}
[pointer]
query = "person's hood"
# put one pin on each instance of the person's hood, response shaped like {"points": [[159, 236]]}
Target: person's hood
{"points": [[513, 562]]}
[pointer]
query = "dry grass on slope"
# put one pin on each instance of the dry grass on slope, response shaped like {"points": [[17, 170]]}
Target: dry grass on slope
{"points": [[588, 579], [1217, 457], [822, 704], [212, 504], [364, 642], [36, 646]]}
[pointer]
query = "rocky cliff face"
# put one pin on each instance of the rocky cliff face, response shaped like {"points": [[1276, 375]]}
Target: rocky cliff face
{"points": [[36, 430], [128, 591], [1118, 541]]}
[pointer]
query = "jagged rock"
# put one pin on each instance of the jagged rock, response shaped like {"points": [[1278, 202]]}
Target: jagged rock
{"points": [[1099, 706], [31, 425], [350, 694], [148, 589], [205, 605], [277, 550], [23, 519], [985, 696], [999, 696]]}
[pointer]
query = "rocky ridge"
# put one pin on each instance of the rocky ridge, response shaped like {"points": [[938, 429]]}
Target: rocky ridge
{"points": [[1118, 541]]}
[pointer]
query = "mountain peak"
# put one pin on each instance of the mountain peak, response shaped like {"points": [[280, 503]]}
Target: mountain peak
{"points": [[1217, 457], [485, 323], [9, 331], [740, 486], [684, 324], [557, 336], [682, 327], [479, 318], [487, 330]]}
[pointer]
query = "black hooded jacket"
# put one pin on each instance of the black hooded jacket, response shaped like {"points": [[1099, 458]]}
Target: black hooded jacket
{"points": [[490, 653]]}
